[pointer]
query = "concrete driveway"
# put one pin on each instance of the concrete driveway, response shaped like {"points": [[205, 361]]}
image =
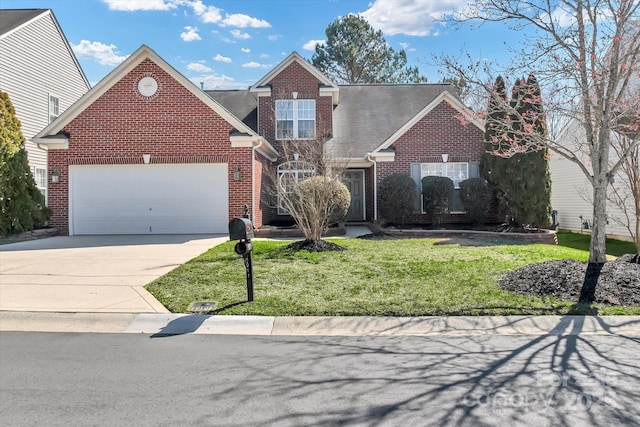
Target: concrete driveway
{"points": [[96, 274]]}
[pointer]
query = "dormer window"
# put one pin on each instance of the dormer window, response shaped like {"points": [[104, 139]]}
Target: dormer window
{"points": [[295, 119]]}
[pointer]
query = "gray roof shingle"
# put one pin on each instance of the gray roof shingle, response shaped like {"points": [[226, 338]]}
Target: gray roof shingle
{"points": [[367, 115], [240, 103], [13, 18]]}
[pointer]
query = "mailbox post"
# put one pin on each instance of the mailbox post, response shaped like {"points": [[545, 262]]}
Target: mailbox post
{"points": [[241, 229]]}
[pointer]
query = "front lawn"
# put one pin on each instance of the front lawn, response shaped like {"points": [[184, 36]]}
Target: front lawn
{"points": [[408, 277], [581, 241]]}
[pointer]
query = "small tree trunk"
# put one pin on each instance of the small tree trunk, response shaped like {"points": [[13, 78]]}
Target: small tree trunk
{"points": [[597, 248]]}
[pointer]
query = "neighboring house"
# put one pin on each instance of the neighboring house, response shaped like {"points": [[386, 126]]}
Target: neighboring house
{"points": [[572, 193], [147, 151], [41, 75]]}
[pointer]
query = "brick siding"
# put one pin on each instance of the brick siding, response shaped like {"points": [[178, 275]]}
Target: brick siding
{"points": [[173, 125]]}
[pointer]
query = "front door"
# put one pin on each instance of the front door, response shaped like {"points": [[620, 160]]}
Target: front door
{"points": [[354, 180]]}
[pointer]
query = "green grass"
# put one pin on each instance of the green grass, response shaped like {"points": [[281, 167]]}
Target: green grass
{"points": [[408, 277], [581, 241]]}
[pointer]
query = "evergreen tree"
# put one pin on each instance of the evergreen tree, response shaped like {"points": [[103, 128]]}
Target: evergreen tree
{"points": [[355, 53], [522, 180], [22, 205]]}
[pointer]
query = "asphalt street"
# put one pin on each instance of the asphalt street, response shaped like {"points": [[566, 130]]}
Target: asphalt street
{"points": [[73, 379]]}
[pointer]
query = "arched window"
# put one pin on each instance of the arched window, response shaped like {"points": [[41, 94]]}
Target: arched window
{"points": [[289, 174]]}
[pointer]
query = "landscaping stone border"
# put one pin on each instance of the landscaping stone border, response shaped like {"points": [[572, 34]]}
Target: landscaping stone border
{"points": [[269, 231], [30, 235], [548, 237]]}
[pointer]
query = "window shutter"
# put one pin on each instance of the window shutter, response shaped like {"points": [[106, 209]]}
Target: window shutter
{"points": [[474, 169], [415, 175]]}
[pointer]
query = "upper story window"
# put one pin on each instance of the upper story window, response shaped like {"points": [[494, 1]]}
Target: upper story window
{"points": [[295, 119], [54, 108]]}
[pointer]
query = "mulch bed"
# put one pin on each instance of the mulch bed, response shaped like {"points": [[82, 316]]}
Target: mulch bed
{"points": [[618, 283], [314, 246]]}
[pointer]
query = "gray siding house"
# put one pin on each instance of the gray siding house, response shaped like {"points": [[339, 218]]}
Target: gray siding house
{"points": [[40, 73]]}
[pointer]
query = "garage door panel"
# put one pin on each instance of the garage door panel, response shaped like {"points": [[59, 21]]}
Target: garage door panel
{"points": [[142, 199]]}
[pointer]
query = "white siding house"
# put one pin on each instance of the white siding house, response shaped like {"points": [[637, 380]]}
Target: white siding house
{"points": [[572, 194], [40, 73]]}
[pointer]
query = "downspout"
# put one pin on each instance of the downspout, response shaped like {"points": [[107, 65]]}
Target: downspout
{"points": [[375, 186]]}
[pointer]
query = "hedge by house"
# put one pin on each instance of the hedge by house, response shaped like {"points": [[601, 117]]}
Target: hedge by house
{"points": [[437, 194], [475, 194], [396, 198]]}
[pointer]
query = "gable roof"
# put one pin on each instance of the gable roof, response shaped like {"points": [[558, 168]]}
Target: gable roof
{"points": [[327, 86], [142, 53], [12, 20], [371, 117], [294, 56]]}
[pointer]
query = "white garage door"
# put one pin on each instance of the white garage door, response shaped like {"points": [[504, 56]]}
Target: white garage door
{"points": [[148, 199]]}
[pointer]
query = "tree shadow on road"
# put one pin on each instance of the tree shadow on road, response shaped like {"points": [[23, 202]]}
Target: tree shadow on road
{"points": [[563, 377]]}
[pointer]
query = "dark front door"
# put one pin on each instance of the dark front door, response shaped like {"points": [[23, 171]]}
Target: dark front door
{"points": [[354, 180]]}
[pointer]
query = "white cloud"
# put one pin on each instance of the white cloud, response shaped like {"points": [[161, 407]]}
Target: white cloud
{"points": [[198, 67], [240, 35], [133, 5], [410, 17], [274, 37], [311, 44], [245, 49], [207, 14], [221, 58], [103, 53], [562, 18], [254, 64], [215, 81], [190, 34], [243, 21]]}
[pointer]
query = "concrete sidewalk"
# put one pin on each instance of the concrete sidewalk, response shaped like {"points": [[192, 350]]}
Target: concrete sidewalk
{"points": [[180, 324]]}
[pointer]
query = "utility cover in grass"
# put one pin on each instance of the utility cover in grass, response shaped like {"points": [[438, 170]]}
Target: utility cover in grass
{"points": [[618, 282]]}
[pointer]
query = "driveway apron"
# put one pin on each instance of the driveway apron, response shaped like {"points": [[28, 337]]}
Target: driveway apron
{"points": [[97, 274]]}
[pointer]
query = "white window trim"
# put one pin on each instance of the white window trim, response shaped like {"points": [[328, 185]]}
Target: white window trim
{"points": [[300, 170], [295, 118], [444, 172], [53, 114]]}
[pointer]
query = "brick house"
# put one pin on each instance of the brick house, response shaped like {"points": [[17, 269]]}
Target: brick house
{"points": [[147, 151]]}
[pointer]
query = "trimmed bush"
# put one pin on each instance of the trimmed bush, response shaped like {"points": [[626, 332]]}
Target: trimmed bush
{"points": [[437, 192], [396, 198], [475, 194]]}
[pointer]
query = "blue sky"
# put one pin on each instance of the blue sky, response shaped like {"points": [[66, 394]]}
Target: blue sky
{"points": [[233, 43]]}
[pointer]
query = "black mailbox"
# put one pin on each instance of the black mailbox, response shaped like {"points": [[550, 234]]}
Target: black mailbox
{"points": [[240, 229]]}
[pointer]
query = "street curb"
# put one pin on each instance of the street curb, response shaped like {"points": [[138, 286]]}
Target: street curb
{"points": [[180, 324]]}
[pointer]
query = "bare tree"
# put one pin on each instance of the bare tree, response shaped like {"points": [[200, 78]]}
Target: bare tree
{"points": [[307, 182], [588, 66], [309, 188]]}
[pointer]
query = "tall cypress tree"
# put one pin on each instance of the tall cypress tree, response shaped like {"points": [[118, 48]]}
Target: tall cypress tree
{"points": [[522, 181], [535, 166], [494, 129], [22, 205]]}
